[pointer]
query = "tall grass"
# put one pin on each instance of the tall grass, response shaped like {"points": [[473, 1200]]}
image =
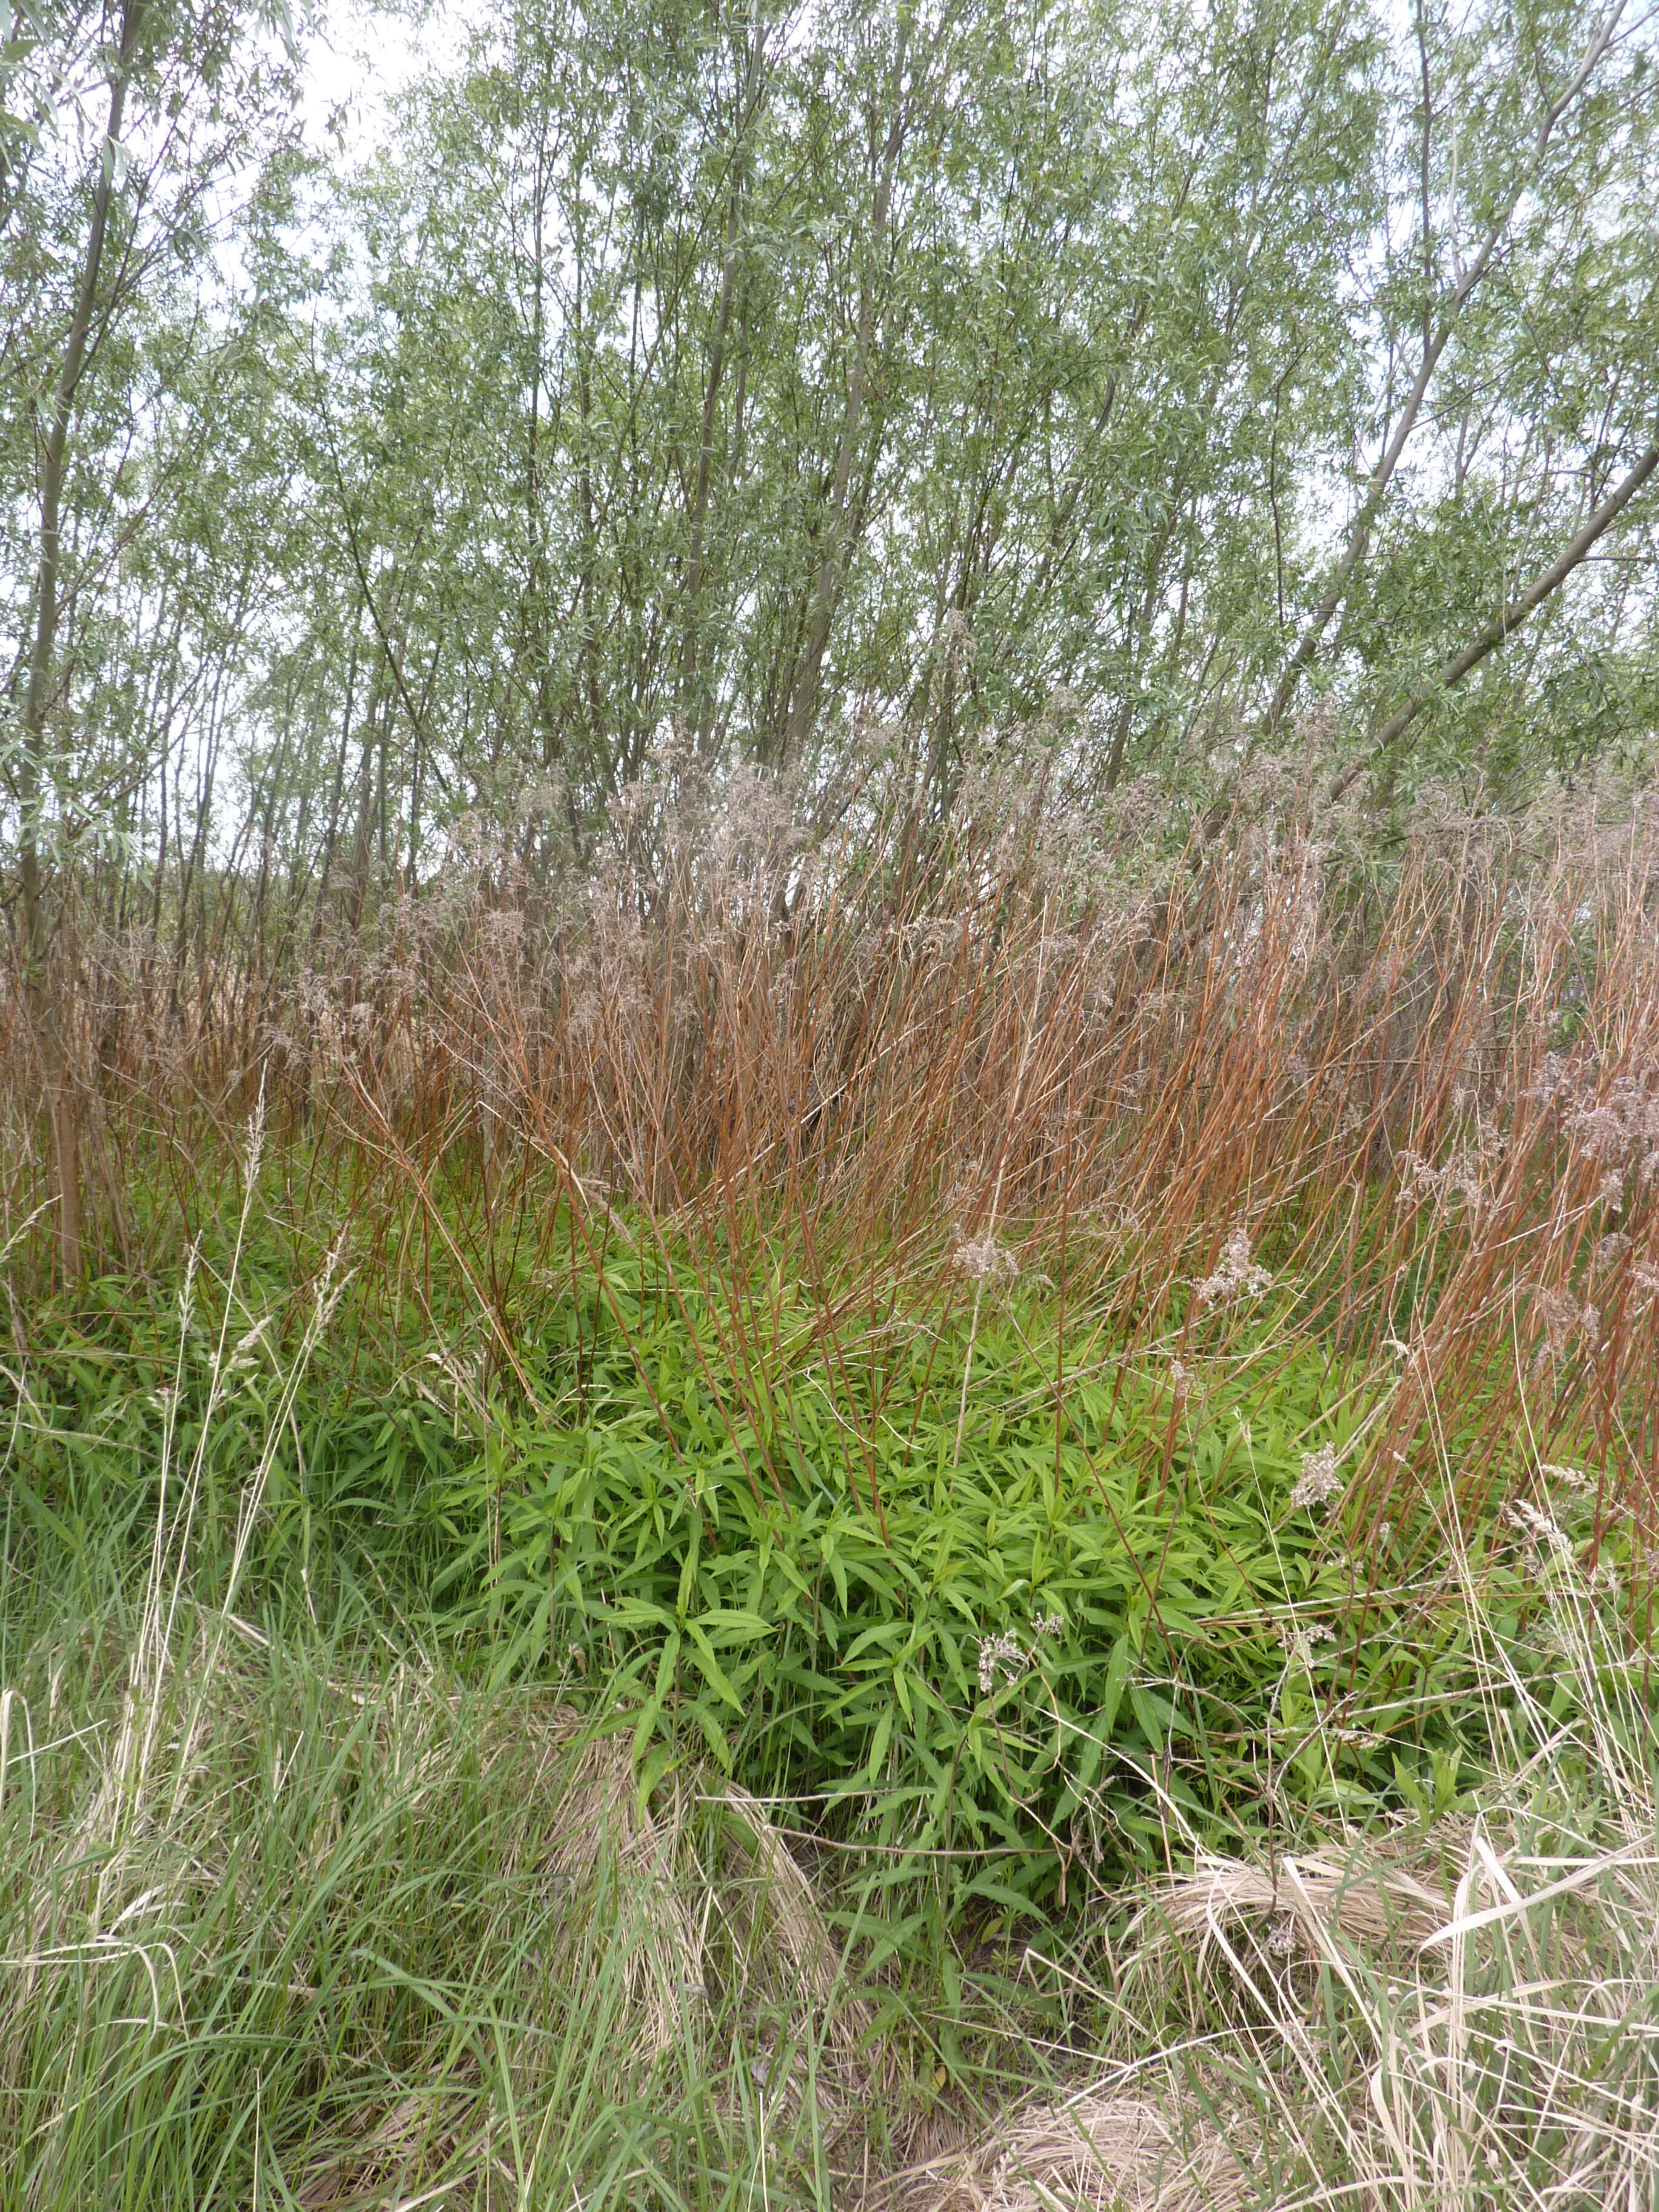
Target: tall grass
{"points": [[292, 1916], [867, 1080]]}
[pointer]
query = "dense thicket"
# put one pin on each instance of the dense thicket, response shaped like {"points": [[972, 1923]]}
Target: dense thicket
{"points": [[1120, 380], [747, 371]]}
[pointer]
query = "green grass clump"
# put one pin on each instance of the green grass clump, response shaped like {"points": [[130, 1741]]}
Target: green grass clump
{"points": [[336, 1930]]}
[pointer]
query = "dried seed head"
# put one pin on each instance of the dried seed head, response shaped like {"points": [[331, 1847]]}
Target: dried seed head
{"points": [[1319, 1478], [1538, 1529], [985, 1260], [1238, 1276]]}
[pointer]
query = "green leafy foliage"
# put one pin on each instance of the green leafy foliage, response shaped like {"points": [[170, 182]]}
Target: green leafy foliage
{"points": [[1103, 1629]]}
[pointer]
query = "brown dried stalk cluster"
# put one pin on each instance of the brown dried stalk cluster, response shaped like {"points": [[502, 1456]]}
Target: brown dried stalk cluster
{"points": [[1243, 1083]]}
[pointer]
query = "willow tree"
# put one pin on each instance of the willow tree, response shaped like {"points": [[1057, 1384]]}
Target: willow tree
{"points": [[139, 111]]}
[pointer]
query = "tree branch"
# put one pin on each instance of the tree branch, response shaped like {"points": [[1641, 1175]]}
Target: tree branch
{"points": [[1511, 617], [1434, 347]]}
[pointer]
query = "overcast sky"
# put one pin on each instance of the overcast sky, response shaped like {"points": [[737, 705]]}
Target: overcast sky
{"points": [[363, 57]]}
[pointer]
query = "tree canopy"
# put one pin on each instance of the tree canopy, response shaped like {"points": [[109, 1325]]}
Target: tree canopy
{"points": [[775, 383]]}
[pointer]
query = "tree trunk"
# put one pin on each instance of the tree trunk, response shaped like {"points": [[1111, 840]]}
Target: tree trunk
{"points": [[695, 703], [50, 1013], [825, 590]]}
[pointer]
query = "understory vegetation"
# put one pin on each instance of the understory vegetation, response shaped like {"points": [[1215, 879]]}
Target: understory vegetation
{"points": [[956, 1526]]}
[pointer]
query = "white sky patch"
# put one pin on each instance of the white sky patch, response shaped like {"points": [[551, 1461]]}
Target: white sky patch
{"points": [[358, 63]]}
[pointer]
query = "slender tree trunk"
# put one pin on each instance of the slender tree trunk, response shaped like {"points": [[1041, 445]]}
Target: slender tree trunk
{"points": [[362, 844], [1510, 619], [803, 701], [333, 829], [695, 702], [52, 1012]]}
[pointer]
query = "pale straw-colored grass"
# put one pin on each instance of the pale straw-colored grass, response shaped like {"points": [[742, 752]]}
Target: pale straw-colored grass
{"points": [[1100, 2150], [1477, 2031]]}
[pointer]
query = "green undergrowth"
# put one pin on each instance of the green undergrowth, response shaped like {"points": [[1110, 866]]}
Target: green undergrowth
{"points": [[1014, 1644], [677, 1750], [1004, 1616]]}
